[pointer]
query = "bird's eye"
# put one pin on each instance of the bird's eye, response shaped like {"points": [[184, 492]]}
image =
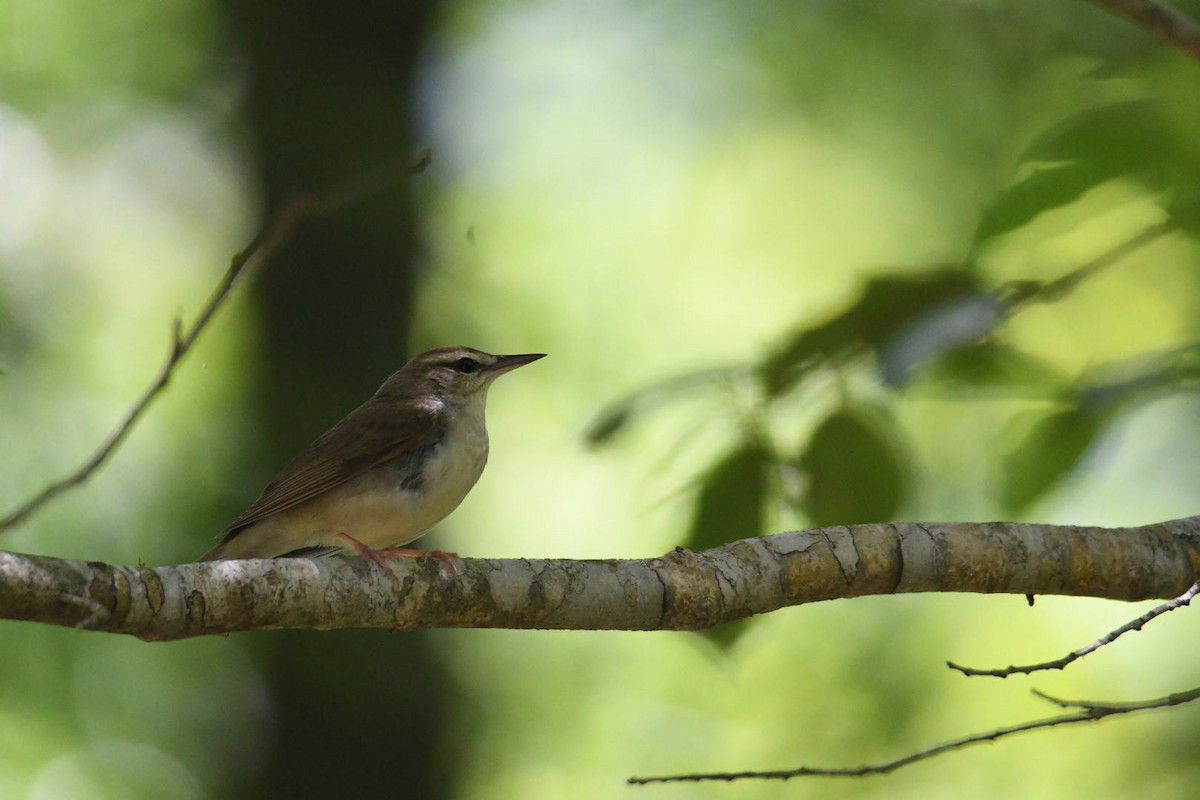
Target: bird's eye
{"points": [[467, 365]]}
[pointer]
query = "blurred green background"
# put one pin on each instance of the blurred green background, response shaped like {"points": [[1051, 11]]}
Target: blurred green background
{"points": [[792, 263]]}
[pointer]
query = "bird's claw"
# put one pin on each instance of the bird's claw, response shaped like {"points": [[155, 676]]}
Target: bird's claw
{"points": [[380, 557]]}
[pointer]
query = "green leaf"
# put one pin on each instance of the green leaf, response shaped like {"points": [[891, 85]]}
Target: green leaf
{"points": [[1048, 188], [730, 505], [997, 367], [938, 330], [1050, 450], [620, 414], [1090, 148], [1116, 132], [886, 305], [856, 469], [605, 427], [726, 635]]}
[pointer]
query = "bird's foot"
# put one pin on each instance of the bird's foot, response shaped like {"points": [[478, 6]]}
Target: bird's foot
{"points": [[380, 557], [451, 560]]}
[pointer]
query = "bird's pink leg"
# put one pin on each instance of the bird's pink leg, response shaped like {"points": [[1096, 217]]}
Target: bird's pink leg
{"points": [[449, 559], [381, 555]]}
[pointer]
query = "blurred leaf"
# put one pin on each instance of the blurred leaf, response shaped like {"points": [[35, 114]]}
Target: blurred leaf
{"points": [[1046, 189], [1054, 444], [618, 415], [1183, 206], [1090, 148], [606, 426], [997, 366], [961, 321], [731, 507], [731, 500], [725, 635], [1116, 132], [1048, 453], [1143, 377], [15, 337], [1177, 86], [856, 469], [886, 305]]}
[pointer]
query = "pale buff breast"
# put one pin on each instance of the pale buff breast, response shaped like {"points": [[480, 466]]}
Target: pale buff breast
{"points": [[385, 507]]}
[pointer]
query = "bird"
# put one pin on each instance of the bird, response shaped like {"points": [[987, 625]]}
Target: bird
{"points": [[386, 473]]}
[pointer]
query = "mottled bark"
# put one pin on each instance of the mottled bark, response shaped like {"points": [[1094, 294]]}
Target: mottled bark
{"points": [[680, 591]]}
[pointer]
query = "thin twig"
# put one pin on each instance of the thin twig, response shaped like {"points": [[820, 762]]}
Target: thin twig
{"points": [[1099, 710], [1166, 23], [1015, 296], [1088, 712], [266, 242], [1061, 663]]}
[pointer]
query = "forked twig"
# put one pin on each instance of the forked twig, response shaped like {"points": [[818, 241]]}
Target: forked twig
{"points": [[1088, 712], [1061, 663], [275, 232]]}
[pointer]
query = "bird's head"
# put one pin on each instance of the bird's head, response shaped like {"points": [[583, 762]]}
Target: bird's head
{"points": [[457, 371]]}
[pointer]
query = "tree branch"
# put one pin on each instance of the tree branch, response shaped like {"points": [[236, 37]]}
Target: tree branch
{"points": [[1156, 19], [266, 242], [682, 590], [1087, 712], [1061, 663]]}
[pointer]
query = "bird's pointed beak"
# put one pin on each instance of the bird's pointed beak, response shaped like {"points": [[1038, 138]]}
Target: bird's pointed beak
{"points": [[504, 364]]}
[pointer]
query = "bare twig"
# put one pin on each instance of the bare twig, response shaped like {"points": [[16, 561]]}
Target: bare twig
{"points": [[1014, 296], [1061, 663], [1156, 19], [266, 242], [1088, 712], [1099, 710]]}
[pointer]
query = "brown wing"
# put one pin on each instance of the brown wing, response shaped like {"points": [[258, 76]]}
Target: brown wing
{"points": [[372, 434]]}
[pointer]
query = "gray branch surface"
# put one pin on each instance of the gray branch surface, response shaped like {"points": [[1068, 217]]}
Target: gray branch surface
{"points": [[682, 590]]}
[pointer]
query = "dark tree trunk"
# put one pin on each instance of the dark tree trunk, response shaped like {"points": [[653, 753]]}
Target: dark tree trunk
{"points": [[357, 714]]}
